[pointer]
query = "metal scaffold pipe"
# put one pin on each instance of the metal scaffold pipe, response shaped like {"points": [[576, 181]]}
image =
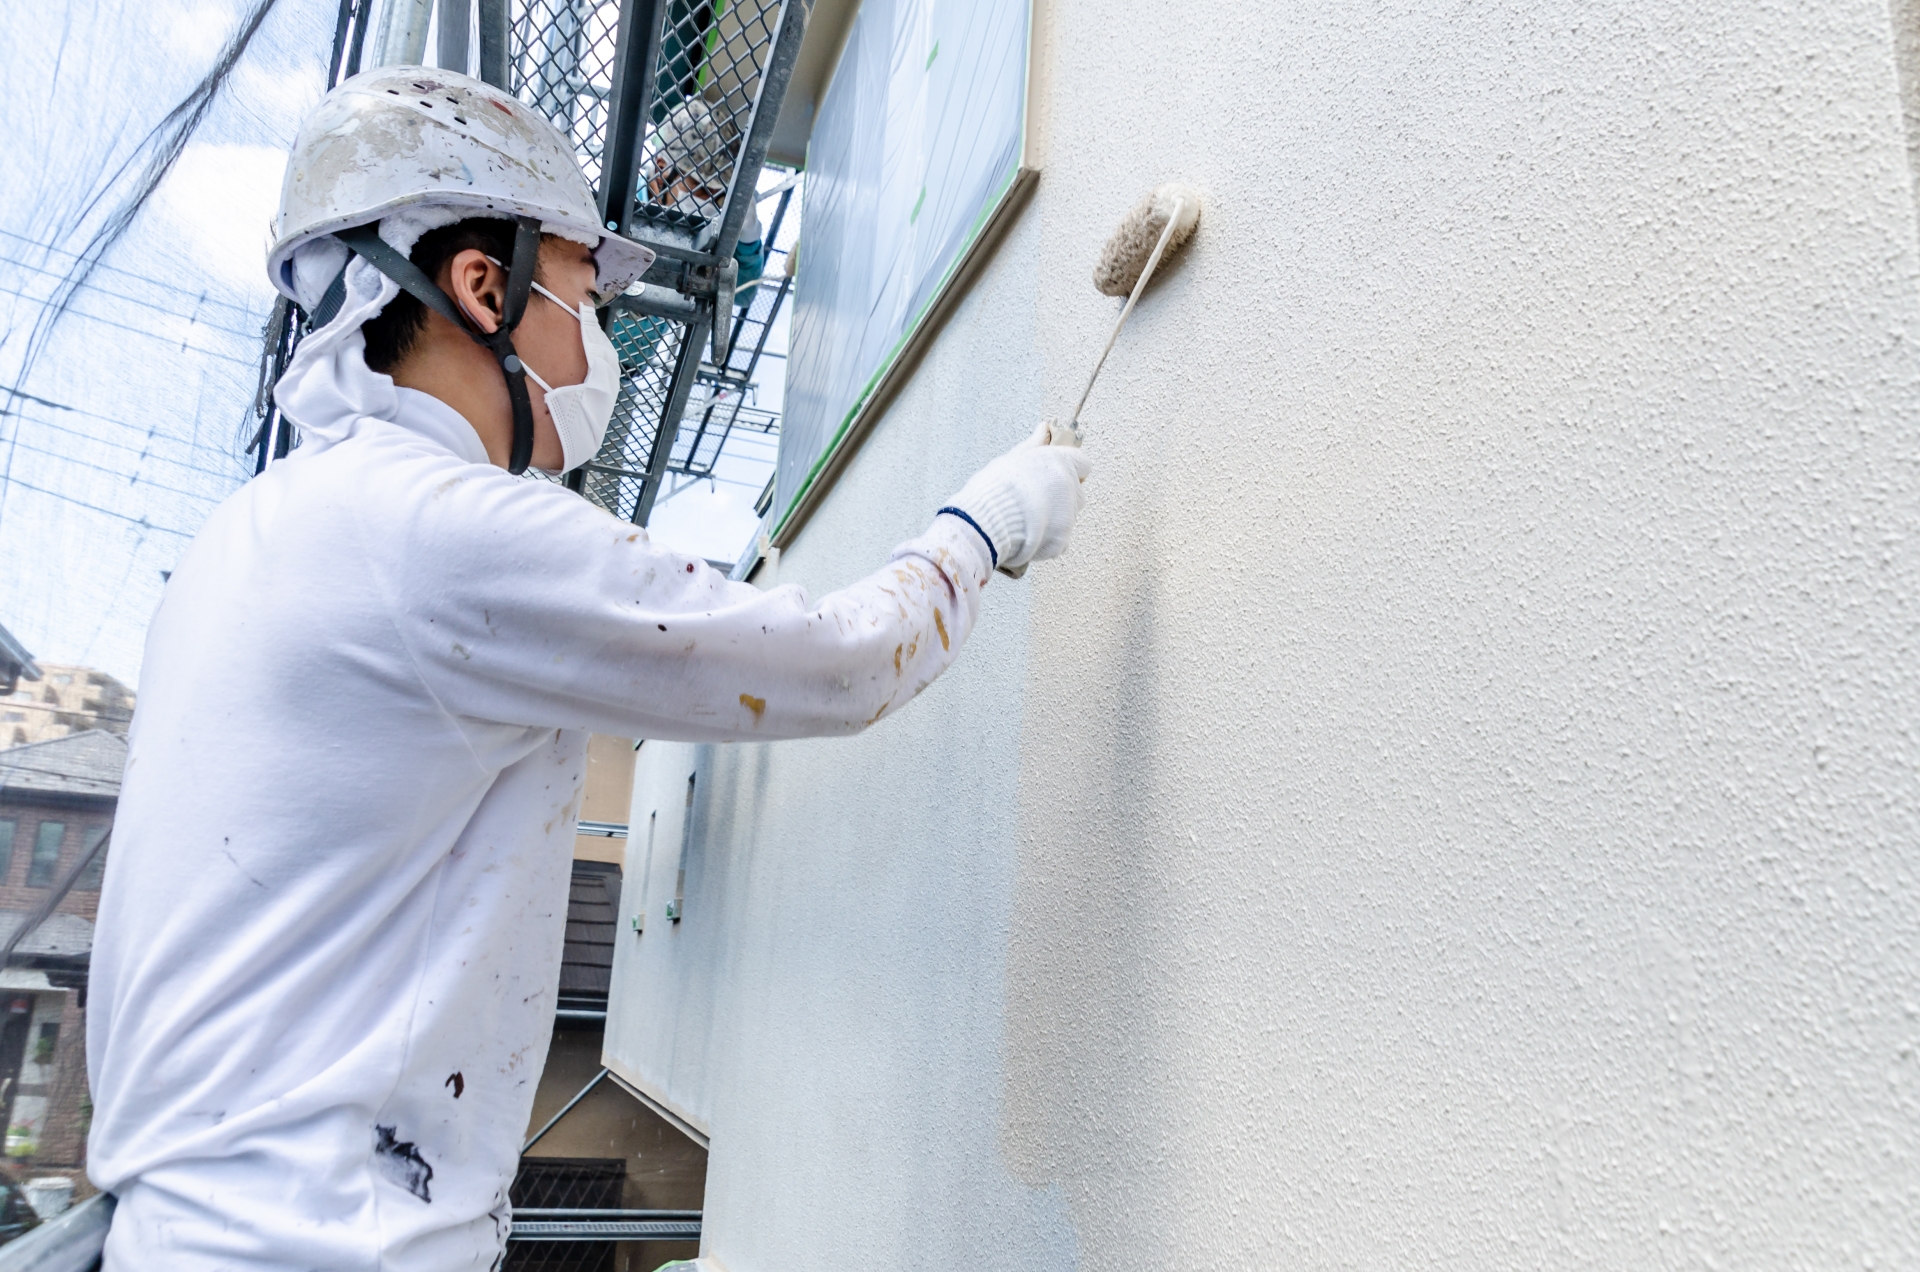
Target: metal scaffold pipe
{"points": [[403, 33]]}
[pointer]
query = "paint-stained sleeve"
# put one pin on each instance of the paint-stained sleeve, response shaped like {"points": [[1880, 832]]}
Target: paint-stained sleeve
{"points": [[522, 604]]}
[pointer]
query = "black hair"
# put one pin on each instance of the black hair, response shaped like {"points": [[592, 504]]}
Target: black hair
{"points": [[392, 332]]}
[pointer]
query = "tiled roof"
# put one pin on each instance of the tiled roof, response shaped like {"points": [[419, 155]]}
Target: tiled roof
{"points": [[593, 913], [61, 936], [79, 764]]}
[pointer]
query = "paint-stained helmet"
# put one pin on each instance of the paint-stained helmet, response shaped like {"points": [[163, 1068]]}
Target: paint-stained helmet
{"points": [[420, 148]]}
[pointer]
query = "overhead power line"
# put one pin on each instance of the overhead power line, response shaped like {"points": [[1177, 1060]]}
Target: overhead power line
{"points": [[114, 269], [134, 300], [138, 331], [235, 475], [133, 479], [142, 522]]}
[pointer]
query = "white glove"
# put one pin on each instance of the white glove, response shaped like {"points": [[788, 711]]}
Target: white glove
{"points": [[1025, 502]]}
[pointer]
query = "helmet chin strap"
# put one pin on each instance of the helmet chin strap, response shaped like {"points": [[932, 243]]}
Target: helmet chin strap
{"points": [[365, 240]]}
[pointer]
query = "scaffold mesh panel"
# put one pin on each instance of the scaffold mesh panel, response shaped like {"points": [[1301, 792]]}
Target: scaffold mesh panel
{"points": [[710, 51], [566, 1183], [649, 348], [562, 66], [713, 54]]}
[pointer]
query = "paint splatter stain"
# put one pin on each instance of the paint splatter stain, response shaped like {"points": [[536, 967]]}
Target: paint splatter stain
{"points": [[237, 866], [941, 623], [400, 1161], [896, 658], [459, 1084], [756, 705]]}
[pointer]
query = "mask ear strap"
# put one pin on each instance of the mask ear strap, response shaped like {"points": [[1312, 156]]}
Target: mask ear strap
{"points": [[365, 240]]}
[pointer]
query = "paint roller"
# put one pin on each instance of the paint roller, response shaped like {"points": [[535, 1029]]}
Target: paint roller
{"points": [[1160, 223]]}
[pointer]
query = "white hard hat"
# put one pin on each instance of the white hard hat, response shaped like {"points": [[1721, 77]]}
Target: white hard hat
{"points": [[423, 148]]}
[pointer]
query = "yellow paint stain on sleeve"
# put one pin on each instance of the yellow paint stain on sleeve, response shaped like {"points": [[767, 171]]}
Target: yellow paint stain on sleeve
{"points": [[896, 658], [756, 705], [941, 623]]}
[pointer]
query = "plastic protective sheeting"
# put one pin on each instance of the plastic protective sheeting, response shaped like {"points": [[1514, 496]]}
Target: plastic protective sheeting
{"points": [[918, 138]]}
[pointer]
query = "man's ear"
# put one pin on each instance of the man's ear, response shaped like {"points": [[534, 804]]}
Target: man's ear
{"points": [[479, 287]]}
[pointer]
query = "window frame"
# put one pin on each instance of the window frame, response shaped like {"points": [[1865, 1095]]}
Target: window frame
{"points": [[40, 858]]}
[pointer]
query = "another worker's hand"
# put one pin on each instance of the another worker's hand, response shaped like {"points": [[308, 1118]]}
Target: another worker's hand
{"points": [[1026, 501]]}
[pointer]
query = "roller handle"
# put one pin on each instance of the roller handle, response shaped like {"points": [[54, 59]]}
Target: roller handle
{"points": [[1140, 285]]}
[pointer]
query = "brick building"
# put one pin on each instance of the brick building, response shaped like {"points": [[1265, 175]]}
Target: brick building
{"points": [[57, 802]]}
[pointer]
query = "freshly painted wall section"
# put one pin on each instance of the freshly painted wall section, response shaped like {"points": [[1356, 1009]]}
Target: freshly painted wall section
{"points": [[1458, 804], [829, 1009]]}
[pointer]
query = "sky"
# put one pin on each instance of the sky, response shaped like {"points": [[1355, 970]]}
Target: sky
{"points": [[130, 426]]}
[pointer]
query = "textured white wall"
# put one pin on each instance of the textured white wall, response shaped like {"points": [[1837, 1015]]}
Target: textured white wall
{"points": [[1459, 803], [830, 1007]]}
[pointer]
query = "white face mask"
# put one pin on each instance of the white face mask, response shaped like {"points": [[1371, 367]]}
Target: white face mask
{"points": [[581, 412]]}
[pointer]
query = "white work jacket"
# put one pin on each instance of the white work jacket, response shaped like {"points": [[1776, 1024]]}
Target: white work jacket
{"points": [[329, 938]]}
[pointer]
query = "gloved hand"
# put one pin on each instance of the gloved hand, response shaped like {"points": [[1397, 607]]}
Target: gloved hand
{"points": [[1025, 502]]}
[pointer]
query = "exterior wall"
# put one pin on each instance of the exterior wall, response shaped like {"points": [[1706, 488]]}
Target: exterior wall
{"points": [[63, 701], [606, 796], [62, 1142], [80, 818], [1456, 805], [665, 1169], [28, 1127]]}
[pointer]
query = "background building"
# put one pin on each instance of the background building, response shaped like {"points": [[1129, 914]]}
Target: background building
{"points": [[57, 803], [1455, 805], [65, 700]]}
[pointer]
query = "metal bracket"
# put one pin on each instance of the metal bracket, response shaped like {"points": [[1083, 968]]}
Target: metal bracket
{"points": [[723, 285]]}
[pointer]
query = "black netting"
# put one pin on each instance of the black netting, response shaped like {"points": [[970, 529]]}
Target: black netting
{"points": [[750, 325], [713, 413], [560, 1256], [723, 397]]}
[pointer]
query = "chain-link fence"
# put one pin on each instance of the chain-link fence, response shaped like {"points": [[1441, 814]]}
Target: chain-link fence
{"points": [[710, 60]]}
